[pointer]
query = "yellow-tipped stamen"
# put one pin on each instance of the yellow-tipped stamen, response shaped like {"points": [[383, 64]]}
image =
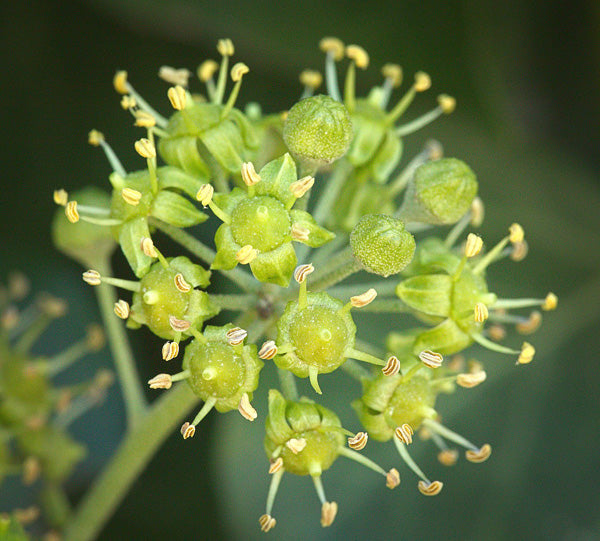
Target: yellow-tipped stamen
{"points": [[187, 430], [267, 523], [333, 46], [181, 284], [144, 120], [245, 408], [226, 49], [446, 104], [205, 73], [246, 254], [131, 197], [145, 148], [311, 80], [471, 380], [61, 197], [392, 366], [328, 513], [359, 58], [299, 233], [432, 150], [250, 176], [92, 277], [96, 138], [516, 233], [275, 465], [268, 350], [404, 433], [448, 457], [527, 353], [128, 102], [122, 86], [237, 72], [519, 251], [301, 186], [431, 359], [179, 325], [174, 76], [334, 49], [161, 381], [531, 324], [71, 212], [472, 450], [422, 83], [392, 74], [205, 194], [358, 441], [480, 312], [121, 309], [148, 248], [170, 350], [550, 302], [204, 411], [302, 271], [363, 356], [477, 212], [480, 455], [392, 479], [404, 454], [120, 82], [473, 245], [430, 489], [296, 445], [178, 97], [236, 336], [364, 299]]}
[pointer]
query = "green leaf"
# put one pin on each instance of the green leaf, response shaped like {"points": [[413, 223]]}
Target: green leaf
{"points": [[223, 142]]}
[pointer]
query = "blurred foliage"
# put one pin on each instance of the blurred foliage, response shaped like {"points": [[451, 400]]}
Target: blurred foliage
{"points": [[527, 82]]}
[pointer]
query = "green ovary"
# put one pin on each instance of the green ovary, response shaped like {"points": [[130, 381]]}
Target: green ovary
{"points": [[263, 222], [320, 337], [410, 403]]}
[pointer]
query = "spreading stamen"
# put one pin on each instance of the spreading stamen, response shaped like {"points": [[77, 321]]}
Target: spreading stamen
{"points": [[204, 411], [187, 430], [170, 350], [296, 445], [205, 73], [366, 298], [359, 58], [531, 324], [393, 79], [267, 522], [358, 441], [446, 105], [268, 350], [328, 513], [122, 86], [516, 233], [392, 479], [161, 381], [311, 80], [275, 465], [236, 336], [471, 379], [237, 72], [473, 245], [61, 197], [422, 83], [246, 254], [205, 194], [480, 455], [392, 366], [145, 148], [432, 150], [430, 489], [301, 186], [519, 251], [334, 48], [226, 49], [527, 353], [71, 212], [121, 309], [245, 408], [144, 120], [92, 277], [128, 102], [174, 76], [425, 483], [431, 359], [404, 433], [448, 457], [550, 302]]}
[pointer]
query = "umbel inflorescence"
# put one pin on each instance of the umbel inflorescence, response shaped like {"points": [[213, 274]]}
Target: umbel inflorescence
{"points": [[305, 199]]}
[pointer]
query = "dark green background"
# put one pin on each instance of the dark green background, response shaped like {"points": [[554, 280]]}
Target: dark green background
{"points": [[527, 79]]}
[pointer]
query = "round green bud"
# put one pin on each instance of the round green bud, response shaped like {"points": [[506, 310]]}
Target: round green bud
{"points": [[318, 129], [221, 371], [381, 244], [440, 193], [315, 428]]}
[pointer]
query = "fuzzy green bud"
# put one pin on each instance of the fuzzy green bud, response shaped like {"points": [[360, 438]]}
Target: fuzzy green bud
{"points": [[440, 192], [318, 130], [381, 244]]}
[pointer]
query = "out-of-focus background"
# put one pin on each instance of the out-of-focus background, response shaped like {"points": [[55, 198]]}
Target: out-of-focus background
{"points": [[527, 79]]}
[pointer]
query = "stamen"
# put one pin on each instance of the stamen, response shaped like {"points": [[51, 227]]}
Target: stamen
{"points": [[174, 76], [170, 350], [236, 336], [276, 465], [527, 353], [249, 174], [496, 332], [179, 325], [481, 312], [120, 82], [71, 212], [334, 49], [301, 186], [122, 86], [296, 445], [480, 455], [273, 486], [302, 271], [238, 71], [178, 97], [205, 194], [358, 441], [31, 470], [477, 212], [516, 233], [446, 104], [267, 522], [404, 433], [430, 489], [431, 359], [161, 381], [145, 148], [358, 55], [422, 83], [204, 411], [311, 80], [328, 513], [550, 302], [471, 379], [246, 254], [92, 278], [144, 119], [404, 454], [392, 367], [131, 197], [181, 284], [245, 408], [299, 233], [225, 47], [392, 479], [473, 245], [61, 197], [364, 299], [268, 350], [333, 46], [448, 457], [128, 102], [122, 309], [519, 251], [531, 324], [148, 247], [359, 58], [393, 72], [187, 430], [205, 73]]}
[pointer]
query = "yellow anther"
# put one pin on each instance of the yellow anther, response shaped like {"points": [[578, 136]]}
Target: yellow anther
{"points": [[456, 364], [174, 76], [71, 212], [422, 81], [301, 186], [448, 457], [268, 350], [446, 103], [358, 441], [206, 70], [296, 445], [430, 489], [236, 336], [145, 148], [225, 47], [357, 54], [365, 298], [121, 309], [497, 332], [181, 284], [516, 233], [481, 455], [481, 312], [393, 72], [328, 513], [431, 359], [249, 174], [31, 470], [392, 366], [160, 381], [435, 150], [92, 277], [392, 479], [519, 251], [94, 337], [332, 46], [128, 102], [299, 233], [527, 353], [131, 197], [472, 379], [404, 433], [205, 194], [187, 430], [473, 245], [179, 325], [276, 465], [246, 254], [120, 82], [302, 271], [178, 97], [267, 522], [148, 247], [144, 119], [18, 285], [245, 408], [550, 302], [531, 325], [311, 79], [170, 350], [238, 71], [477, 212], [52, 306], [61, 197], [95, 137]]}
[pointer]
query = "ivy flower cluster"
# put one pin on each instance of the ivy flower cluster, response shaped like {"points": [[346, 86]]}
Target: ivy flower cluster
{"points": [[305, 199]]}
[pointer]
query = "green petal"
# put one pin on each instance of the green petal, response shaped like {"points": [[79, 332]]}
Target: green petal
{"points": [[317, 235], [176, 210], [276, 178], [276, 266], [130, 237]]}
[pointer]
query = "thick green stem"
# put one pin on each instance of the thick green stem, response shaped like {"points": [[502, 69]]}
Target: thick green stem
{"points": [[135, 403], [130, 459], [288, 384], [343, 264], [238, 303]]}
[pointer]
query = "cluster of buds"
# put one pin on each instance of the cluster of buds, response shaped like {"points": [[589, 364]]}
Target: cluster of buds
{"points": [[256, 174]]}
